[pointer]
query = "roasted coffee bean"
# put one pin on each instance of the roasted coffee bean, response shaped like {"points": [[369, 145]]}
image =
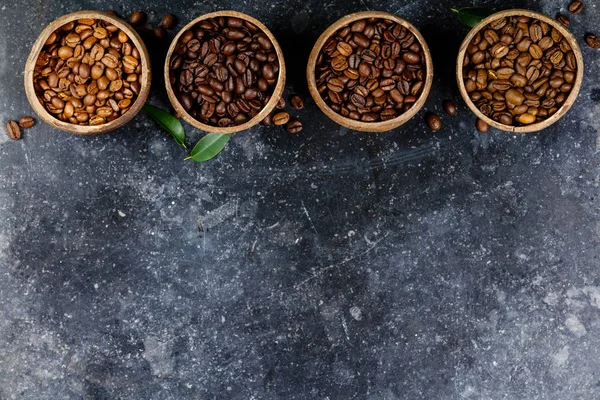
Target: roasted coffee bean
{"points": [[372, 70], [449, 107], [564, 20], [576, 7], [281, 118], [137, 18], [592, 40], [89, 65], [433, 122], [520, 67], [481, 125], [294, 126], [159, 32], [169, 21], [12, 130], [27, 122], [296, 102]]}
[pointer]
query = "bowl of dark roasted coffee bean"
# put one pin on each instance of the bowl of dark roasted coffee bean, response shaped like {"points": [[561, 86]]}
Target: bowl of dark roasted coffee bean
{"points": [[370, 71], [519, 71], [224, 72], [88, 72]]}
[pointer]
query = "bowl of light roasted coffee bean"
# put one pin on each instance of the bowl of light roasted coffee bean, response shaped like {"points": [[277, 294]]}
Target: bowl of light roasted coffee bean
{"points": [[224, 72], [370, 71], [88, 72], [519, 71]]}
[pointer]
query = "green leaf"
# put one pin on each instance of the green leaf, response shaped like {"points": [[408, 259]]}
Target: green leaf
{"points": [[208, 147], [471, 16], [168, 122]]}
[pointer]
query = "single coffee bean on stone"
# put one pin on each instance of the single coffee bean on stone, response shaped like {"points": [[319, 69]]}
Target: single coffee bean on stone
{"points": [[281, 118], [433, 121], [526, 81], [294, 126], [564, 20], [576, 7], [12, 130], [169, 21], [449, 107], [88, 72], [137, 18], [223, 71], [592, 40], [26, 122], [159, 32], [296, 102], [481, 125], [371, 70]]}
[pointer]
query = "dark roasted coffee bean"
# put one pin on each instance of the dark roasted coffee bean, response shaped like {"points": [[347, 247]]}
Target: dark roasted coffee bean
{"points": [[449, 107], [592, 40], [137, 18], [564, 20], [576, 7], [294, 126], [26, 122], [159, 32], [296, 102], [169, 21], [281, 118], [12, 130], [481, 125], [433, 122]]}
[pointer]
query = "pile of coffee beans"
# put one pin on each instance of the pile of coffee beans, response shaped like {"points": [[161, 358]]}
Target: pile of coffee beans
{"points": [[223, 71], [519, 70], [88, 72], [371, 70]]}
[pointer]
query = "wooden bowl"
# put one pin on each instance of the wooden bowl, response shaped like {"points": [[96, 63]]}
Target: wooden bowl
{"points": [[380, 126], [87, 129], [277, 92], [565, 106]]}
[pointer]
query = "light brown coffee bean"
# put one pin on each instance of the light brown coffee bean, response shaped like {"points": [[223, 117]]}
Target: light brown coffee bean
{"points": [[12, 130], [293, 126], [592, 40], [481, 125], [576, 7], [26, 122], [281, 118], [564, 20]]}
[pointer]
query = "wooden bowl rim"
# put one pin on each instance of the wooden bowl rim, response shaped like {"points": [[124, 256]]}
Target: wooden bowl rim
{"points": [[87, 129], [270, 106], [349, 123], [568, 102]]}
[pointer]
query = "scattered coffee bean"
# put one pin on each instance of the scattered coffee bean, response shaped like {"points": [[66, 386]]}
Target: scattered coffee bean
{"points": [[371, 70], [280, 104], [267, 121], [592, 40], [169, 21], [519, 70], [89, 72], [576, 7], [113, 13], [137, 18], [296, 102], [564, 20], [12, 130], [294, 126], [26, 122], [160, 33], [449, 107], [281, 118], [223, 71], [481, 125], [433, 122]]}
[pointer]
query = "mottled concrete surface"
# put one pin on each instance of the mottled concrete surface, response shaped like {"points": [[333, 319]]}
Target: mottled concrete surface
{"points": [[333, 264]]}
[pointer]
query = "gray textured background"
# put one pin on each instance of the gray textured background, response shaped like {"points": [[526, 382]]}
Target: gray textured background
{"points": [[333, 265]]}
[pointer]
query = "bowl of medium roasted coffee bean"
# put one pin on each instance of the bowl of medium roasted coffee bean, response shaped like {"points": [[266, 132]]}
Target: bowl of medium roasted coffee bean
{"points": [[519, 71], [88, 72], [224, 72], [370, 71]]}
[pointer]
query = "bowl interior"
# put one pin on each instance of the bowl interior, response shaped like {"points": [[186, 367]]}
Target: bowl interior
{"points": [[563, 108], [87, 129], [277, 91], [380, 126]]}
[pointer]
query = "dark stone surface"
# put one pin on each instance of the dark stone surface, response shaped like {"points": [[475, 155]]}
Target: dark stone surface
{"points": [[333, 264]]}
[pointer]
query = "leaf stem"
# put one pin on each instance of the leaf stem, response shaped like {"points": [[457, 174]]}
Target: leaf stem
{"points": [[187, 158]]}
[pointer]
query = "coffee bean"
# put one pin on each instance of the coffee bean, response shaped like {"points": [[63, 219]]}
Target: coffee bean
{"points": [[564, 20], [137, 18], [281, 118], [27, 122], [576, 7], [280, 104], [592, 40], [12, 130], [449, 107], [169, 21], [482, 126], [159, 32], [294, 126], [433, 122], [296, 102]]}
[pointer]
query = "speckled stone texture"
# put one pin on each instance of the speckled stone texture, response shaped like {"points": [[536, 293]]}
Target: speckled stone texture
{"points": [[329, 264]]}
